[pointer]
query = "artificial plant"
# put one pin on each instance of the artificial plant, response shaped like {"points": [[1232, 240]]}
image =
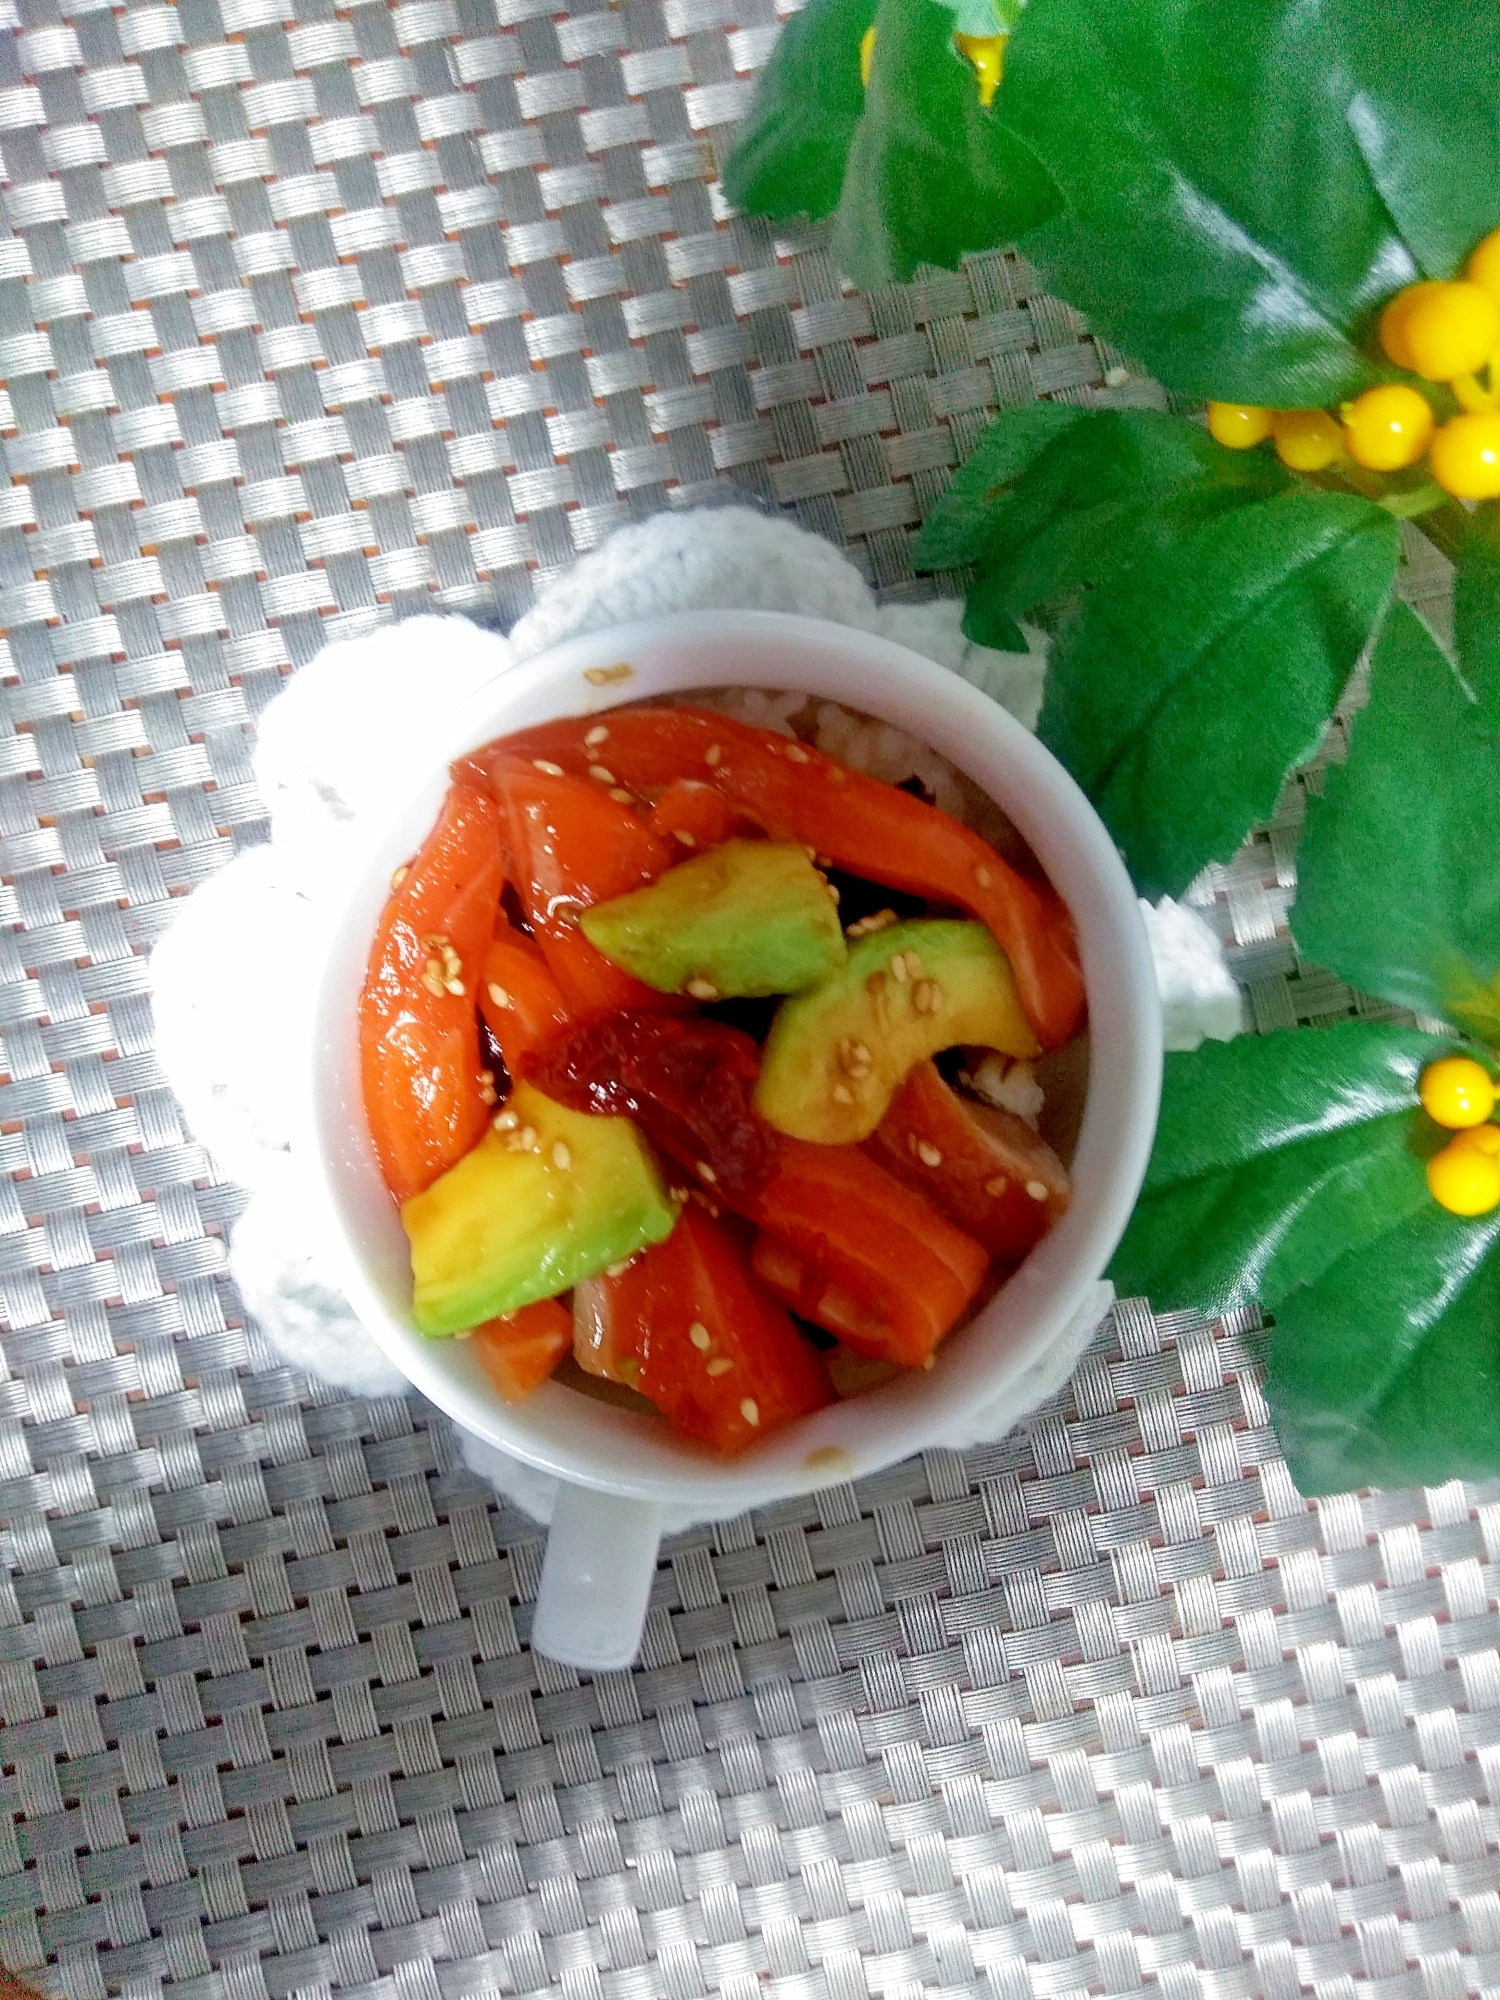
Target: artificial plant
{"points": [[1259, 199]]}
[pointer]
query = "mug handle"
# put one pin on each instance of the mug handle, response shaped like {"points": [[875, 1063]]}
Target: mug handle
{"points": [[596, 1578]]}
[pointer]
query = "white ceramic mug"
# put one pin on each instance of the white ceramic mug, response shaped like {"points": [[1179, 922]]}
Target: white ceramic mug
{"points": [[621, 1468]]}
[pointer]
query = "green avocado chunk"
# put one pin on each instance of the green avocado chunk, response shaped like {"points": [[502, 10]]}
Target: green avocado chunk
{"points": [[748, 917], [554, 1198], [836, 1056]]}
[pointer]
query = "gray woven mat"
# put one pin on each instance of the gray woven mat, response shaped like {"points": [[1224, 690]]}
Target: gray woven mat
{"points": [[306, 323]]}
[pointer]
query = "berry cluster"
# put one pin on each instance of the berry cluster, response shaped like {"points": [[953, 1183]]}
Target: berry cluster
{"points": [[1458, 1094], [1446, 333]]}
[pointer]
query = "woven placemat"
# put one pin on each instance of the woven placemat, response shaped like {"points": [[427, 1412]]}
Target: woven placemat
{"points": [[308, 322]]}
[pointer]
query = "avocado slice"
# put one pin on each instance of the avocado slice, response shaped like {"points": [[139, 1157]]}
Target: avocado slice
{"points": [[549, 1197], [748, 917], [836, 1056]]}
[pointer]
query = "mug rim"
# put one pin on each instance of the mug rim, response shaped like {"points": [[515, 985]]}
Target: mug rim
{"points": [[676, 654]]}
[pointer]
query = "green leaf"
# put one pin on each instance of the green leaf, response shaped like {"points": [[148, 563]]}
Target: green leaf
{"points": [[1426, 117], [1476, 612], [791, 149], [1109, 489], [957, 532], [1399, 866], [930, 173], [1386, 1371], [986, 622], [1196, 679], [1221, 223], [1274, 1154]]}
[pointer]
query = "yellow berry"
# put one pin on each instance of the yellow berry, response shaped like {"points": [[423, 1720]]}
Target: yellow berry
{"points": [[1464, 1179], [1465, 456], [987, 53], [1451, 330], [1306, 440], [1388, 427], [1238, 425], [867, 54], [1393, 320], [1457, 1092], [1484, 265]]}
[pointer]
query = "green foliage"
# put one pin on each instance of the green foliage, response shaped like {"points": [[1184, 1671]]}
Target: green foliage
{"points": [[1274, 1155], [1255, 616], [1426, 118], [1289, 1170], [1080, 500], [913, 169], [930, 173], [1399, 866], [1386, 1371], [1221, 222], [959, 529], [789, 154]]}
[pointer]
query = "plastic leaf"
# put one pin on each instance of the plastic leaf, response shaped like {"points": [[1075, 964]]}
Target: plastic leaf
{"points": [[1426, 117], [1386, 1371], [791, 150], [1399, 867], [1274, 1155], [958, 530], [1194, 680], [930, 173], [1104, 492], [1222, 224]]}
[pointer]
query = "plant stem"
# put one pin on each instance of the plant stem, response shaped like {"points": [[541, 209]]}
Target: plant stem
{"points": [[1420, 500]]}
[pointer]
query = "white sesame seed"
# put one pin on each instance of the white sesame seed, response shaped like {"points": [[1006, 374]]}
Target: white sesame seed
{"points": [[456, 987], [678, 1194], [602, 773], [982, 876], [720, 1366], [811, 853], [506, 1120], [499, 997], [486, 1090], [914, 965], [698, 1335], [842, 1094], [929, 1364], [898, 968], [879, 920], [997, 1184], [706, 1173], [681, 833], [928, 1155], [621, 797], [796, 754], [399, 876], [702, 989], [562, 1158], [1037, 1190], [595, 736], [712, 755], [618, 1270], [833, 893], [432, 977], [546, 767], [750, 1410], [526, 1138]]}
